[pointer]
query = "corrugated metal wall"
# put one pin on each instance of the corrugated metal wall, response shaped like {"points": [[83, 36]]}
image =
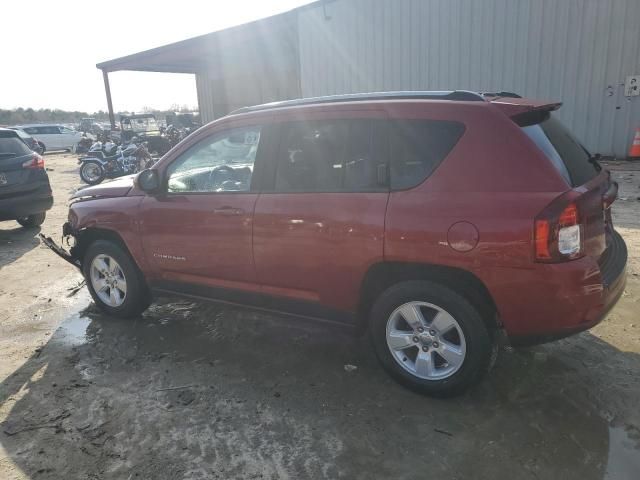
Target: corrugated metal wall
{"points": [[251, 64], [204, 87], [576, 51]]}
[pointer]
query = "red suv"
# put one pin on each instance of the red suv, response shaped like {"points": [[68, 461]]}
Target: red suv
{"points": [[436, 220]]}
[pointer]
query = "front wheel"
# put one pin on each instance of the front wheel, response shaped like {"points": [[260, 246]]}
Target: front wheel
{"points": [[115, 283], [430, 338], [91, 172]]}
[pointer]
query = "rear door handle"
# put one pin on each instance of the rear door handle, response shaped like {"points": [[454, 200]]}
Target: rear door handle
{"points": [[228, 211]]}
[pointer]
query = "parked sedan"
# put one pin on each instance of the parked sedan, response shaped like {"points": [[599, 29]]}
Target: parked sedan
{"points": [[31, 142], [54, 136], [25, 193]]}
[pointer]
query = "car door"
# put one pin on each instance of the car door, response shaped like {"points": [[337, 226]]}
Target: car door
{"points": [[197, 232], [44, 135], [67, 137], [57, 138], [319, 223]]}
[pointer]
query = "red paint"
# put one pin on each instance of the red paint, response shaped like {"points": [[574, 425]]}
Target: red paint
{"points": [[476, 212], [463, 236]]}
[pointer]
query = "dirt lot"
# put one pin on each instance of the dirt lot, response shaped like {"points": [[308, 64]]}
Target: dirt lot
{"points": [[195, 391]]}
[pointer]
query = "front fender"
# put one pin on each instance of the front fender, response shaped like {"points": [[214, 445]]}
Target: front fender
{"points": [[106, 218]]}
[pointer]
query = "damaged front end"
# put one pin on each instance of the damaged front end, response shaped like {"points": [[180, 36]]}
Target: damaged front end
{"points": [[69, 237]]}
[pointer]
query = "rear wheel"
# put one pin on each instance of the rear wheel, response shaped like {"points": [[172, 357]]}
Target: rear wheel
{"points": [[91, 172], [32, 221], [115, 283], [430, 338]]}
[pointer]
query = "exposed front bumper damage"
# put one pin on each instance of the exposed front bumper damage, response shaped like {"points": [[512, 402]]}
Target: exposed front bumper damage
{"points": [[58, 250]]}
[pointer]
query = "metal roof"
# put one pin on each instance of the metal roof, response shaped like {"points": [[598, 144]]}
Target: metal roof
{"points": [[199, 53]]}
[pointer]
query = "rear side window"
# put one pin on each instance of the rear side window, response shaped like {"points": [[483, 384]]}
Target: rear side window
{"points": [[22, 134], [330, 156], [564, 151], [11, 146], [417, 147]]}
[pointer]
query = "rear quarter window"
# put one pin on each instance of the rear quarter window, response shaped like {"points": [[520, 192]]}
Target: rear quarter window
{"points": [[11, 146], [417, 147]]}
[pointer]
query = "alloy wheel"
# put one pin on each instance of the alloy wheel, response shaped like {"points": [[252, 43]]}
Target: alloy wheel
{"points": [[108, 280], [425, 340]]}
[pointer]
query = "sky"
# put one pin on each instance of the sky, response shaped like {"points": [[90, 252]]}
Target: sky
{"points": [[49, 49]]}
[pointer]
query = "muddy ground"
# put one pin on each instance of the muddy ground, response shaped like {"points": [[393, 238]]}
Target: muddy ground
{"points": [[195, 391]]}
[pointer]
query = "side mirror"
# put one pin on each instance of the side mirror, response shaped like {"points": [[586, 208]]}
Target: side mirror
{"points": [[148, 181]]}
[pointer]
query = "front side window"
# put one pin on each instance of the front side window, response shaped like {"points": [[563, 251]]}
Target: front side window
{"points": [[223, 162], [330, 156]]}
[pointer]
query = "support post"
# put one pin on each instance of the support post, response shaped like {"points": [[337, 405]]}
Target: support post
{"points": [[107, 89]]}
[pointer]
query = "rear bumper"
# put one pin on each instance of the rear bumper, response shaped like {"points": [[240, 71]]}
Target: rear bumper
{"points": [[30, 203], [563, 299]]}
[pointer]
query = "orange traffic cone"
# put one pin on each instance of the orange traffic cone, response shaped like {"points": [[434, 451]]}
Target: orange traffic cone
{"points": [[634, 151]]}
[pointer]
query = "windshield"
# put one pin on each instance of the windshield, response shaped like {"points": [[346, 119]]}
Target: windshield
{"points": [[11, 146], [566, 153], [145, 124]]}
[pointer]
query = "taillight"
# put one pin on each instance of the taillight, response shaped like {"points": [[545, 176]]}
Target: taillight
{"points": [[558, 235], [36, 162]]}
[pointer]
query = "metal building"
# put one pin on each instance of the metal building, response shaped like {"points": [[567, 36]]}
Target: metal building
{"points": [[578, 51]]}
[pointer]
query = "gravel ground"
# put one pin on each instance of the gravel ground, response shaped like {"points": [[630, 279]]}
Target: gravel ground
{"points": [[194, 390]]}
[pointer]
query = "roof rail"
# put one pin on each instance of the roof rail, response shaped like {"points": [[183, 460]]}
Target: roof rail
{"points": [[454, 95]]}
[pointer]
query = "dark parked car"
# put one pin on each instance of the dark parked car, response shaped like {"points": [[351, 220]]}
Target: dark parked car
{"points": [[31, 142], [25, 193], [436, 220]]}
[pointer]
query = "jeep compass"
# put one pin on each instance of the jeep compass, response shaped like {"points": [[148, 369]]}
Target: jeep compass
{"points": [[437, 221]]}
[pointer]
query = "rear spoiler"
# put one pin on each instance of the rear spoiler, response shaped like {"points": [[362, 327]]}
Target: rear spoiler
{"points": [[525, 111]]}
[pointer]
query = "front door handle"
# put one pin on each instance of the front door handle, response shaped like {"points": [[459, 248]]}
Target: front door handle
{"points": [[228, 211]]}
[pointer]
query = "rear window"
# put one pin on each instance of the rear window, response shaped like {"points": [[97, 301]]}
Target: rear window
{"points": [[417, 147], [11, 146], [566, 153]]}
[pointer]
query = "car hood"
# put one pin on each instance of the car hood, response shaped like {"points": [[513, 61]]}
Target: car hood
{"points": [[120, 187]]}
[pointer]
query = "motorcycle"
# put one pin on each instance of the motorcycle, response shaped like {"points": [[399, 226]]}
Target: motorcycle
{"points": [[125, 161], [102, 150], [85, 144]]}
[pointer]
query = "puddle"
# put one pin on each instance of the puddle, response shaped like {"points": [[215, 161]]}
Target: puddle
{"points": [[263, 376], [73, 331], [624, 454]]}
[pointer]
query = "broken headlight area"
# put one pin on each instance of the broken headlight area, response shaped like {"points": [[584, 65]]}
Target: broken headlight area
{"points": [[69, 240]]}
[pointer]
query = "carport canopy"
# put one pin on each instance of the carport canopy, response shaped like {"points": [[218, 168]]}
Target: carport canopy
{"points": [[210, 52]]}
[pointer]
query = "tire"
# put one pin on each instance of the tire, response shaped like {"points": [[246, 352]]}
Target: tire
{"points": [[32, 221], [466, 341], [42, 147], [86, 172], [107, 290]]}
